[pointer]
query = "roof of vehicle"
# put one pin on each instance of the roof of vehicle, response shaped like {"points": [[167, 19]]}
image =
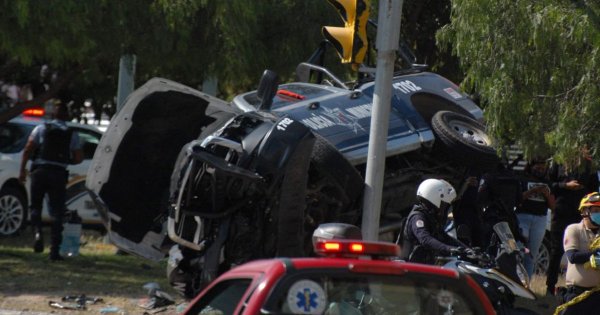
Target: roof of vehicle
{"points": [[34, 121], [353, 264]]}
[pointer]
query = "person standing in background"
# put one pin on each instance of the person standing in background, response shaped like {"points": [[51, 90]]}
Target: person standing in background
{"points": [[532, 211], [568, 185]]}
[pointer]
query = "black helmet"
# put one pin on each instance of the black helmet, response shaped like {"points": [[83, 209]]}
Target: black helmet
{"points": [[329, 231]]}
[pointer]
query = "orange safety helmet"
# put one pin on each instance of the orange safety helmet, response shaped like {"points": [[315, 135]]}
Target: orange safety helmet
{"points": [[590, 200]]}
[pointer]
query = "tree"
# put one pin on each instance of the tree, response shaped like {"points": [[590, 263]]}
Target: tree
{"points": [[536, 66], [183, 40]]}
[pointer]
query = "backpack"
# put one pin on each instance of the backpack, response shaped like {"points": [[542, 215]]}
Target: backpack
{"points": [[402, 239]]}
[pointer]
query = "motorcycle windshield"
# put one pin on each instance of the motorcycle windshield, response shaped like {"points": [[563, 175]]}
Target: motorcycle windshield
{"points": [[506, 237]]}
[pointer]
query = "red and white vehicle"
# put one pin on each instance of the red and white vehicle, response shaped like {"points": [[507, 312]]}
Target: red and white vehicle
{"points": [[354, 277]]}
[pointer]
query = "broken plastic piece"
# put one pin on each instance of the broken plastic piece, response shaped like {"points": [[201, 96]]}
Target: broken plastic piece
{"points": [[66, 306], [110, 310]]}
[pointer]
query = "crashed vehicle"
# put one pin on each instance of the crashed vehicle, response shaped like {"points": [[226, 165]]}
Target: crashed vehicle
{"points": [[230, 182]]}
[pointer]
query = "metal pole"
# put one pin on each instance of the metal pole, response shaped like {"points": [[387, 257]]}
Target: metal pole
{"points": [[126, 76], [388, 34]]}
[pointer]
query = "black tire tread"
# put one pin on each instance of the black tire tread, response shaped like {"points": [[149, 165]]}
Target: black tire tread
{"points": [[464, 152]]}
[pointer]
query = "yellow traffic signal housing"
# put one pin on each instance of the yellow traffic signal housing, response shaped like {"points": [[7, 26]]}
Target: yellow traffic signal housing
{"points": [[351, 40]]}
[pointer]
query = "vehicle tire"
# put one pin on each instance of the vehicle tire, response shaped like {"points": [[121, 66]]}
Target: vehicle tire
{"points": [[543, 257], [464, 140], [13, 210], [291, 209], [338, 180]]}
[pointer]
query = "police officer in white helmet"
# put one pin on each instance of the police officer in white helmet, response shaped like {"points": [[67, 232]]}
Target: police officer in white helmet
{"points": [[423, 236]]}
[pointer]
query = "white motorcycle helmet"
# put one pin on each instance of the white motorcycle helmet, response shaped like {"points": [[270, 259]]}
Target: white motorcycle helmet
{"points": [[437, 193]]}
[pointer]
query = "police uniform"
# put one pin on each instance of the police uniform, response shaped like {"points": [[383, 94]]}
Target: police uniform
{"points": [[499, 194], [54, 142], [425, 238]]}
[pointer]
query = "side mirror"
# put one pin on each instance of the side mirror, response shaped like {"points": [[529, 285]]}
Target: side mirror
{"points": [[267, 88]]}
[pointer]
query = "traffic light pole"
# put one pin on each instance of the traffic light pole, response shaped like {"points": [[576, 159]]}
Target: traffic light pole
{"points": [[388, 34]]}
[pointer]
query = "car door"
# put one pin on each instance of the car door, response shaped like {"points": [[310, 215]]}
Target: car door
{"points": [[78, 197], [130, 173]]}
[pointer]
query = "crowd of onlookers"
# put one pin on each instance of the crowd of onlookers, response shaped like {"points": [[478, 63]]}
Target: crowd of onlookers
{"points": [[523, 199], [85, 111]]}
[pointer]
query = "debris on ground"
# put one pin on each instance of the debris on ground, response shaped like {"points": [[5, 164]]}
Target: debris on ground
{"points": [[111, 310], [74, 302], [66, 306], [156, 297]]}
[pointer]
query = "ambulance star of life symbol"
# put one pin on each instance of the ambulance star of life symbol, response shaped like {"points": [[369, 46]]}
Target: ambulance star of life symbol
{"points": [[445, 299], [306, 297]]}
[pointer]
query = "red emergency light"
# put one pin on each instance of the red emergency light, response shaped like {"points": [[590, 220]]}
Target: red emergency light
{"points": [[356, 248], [34, 112]]}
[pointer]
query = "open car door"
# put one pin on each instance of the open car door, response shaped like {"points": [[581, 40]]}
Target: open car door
{"points": [[131, 171]]}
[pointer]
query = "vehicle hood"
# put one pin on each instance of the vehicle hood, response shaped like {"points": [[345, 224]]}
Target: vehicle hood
{"points": [[130, 174]]}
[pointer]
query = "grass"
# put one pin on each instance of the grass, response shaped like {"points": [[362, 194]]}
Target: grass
{"points": [[26, 276], [29, 280]]}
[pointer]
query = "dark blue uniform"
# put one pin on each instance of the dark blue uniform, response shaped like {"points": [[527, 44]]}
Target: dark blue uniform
{"points": [[425, 238]]}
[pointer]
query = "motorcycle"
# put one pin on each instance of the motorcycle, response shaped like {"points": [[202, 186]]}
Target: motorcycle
{"points": [[502, 277]]}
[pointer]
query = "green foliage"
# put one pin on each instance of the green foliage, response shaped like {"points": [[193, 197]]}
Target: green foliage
{"points": [[535, 64], [185, 40]]}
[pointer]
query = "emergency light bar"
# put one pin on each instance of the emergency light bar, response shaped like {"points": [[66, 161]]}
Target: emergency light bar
{"points": [[35, 112], [355, 248]]}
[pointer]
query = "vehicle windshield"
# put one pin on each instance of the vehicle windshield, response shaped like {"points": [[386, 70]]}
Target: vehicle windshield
{"points": [[370, 294], [13, 137]]}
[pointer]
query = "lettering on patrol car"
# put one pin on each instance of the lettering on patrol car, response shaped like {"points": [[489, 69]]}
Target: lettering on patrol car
{"points": [[284, 123], [420, 223], [347, 117], [306, 297], [360, 111], [317, 122], [452, 92], [406, 86]]}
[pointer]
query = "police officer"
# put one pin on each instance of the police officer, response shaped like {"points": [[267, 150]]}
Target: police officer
{"points": [[580, 278], [499, 194], [424, 235], [52, 146]]}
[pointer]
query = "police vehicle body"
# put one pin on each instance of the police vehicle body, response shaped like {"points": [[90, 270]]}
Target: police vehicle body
{"points": [[251, 178], [14, 196], [354, 277]]}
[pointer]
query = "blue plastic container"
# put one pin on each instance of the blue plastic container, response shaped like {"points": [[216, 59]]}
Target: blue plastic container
{"points": [[71, 237]]}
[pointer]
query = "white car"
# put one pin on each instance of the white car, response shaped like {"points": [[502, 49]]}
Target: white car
{"points": [[14, 197]]}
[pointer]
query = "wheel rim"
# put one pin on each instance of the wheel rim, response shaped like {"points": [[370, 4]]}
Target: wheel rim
{"points": [[542, 261], [471, 134], [11, 214]]}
